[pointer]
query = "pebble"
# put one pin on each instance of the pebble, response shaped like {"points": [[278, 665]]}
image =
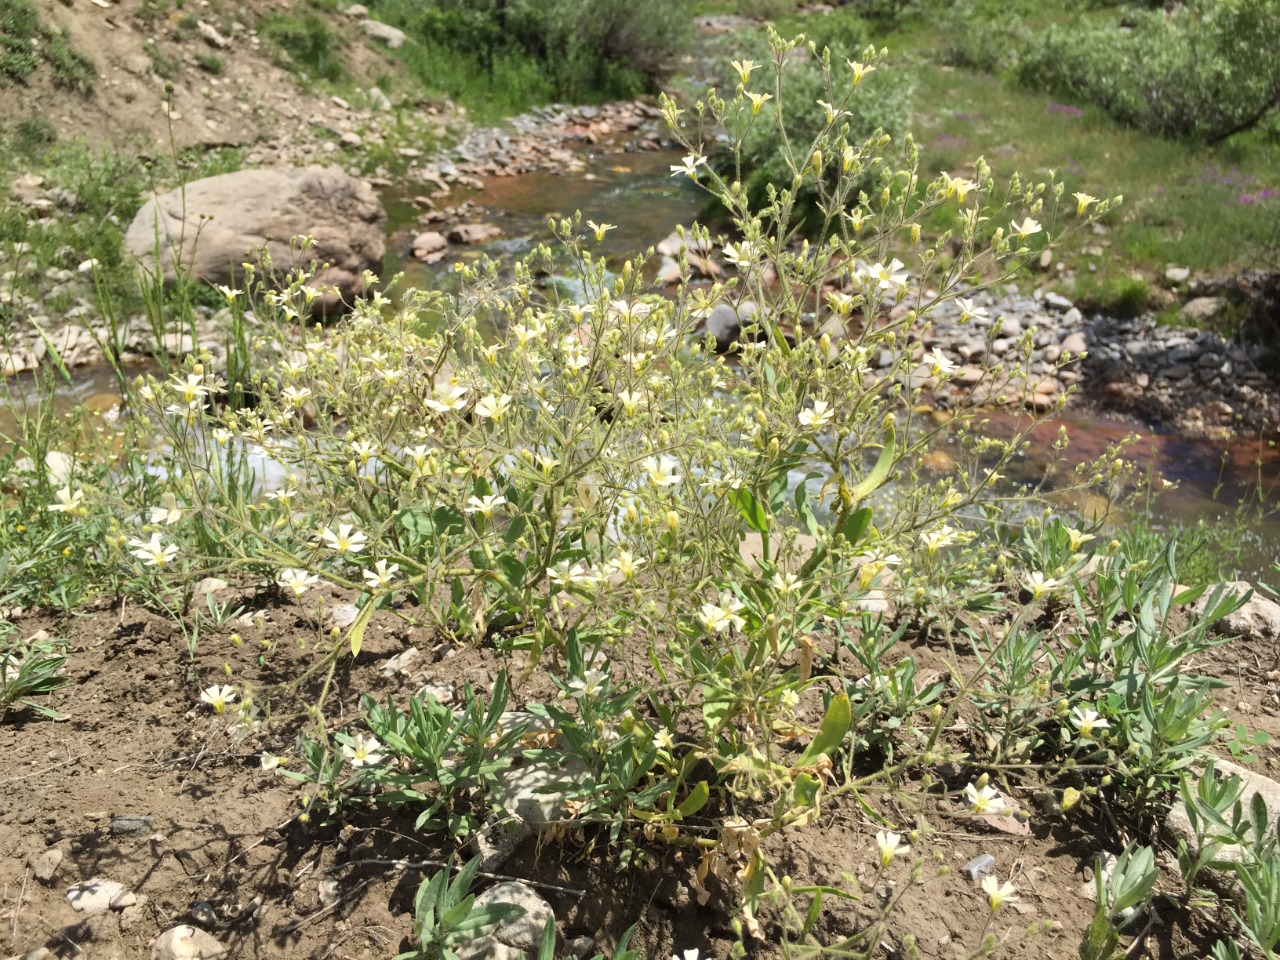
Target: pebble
{"points": [[45, 866], [186, 943], [131, 824], [979, 866]]}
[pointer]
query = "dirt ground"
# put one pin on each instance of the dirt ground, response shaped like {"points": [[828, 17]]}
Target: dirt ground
{"points": [[142, 785]]}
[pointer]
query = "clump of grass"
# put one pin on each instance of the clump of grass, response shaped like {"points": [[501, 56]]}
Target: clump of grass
{"points": [[210, 63], [306, 43], [25, 44]]}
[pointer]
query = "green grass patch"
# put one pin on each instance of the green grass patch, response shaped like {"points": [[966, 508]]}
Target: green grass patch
{"points": [[26, 44]]}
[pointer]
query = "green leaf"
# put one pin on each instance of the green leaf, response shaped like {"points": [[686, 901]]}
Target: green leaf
{"points": [[356, 635], [750, 508], [855, 525], [804, 510], [880, 472], [695, 801], [835, 725]]}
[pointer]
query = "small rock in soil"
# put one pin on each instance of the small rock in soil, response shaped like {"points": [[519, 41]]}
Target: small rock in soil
{"points": [[342, 615], [186, 943], [131, 824], [496, 841], [399, 663], [94, 896], [1258, 619], [45, 866], [523, 932]]}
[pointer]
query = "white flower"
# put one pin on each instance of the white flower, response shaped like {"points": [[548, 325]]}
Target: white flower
{"points": [[1026, 228], [719, 617], [484, 505], [1077, 539], [818, 417], [493, 408], [691, 954], [1038, 584], [566, 575], [661, 471], [364, 449], [630, 400], [935, 540], [190, 390], [888, 278], [218, 697], [269, 761], [689, 166], [168, 512], [786, 584], [970, 311], [986, 800], [295, 396], [68, 501], [589, 685], [296, 581], [626, 564], [741, 256], [447, 398], [890, 845], [154, 552], [283, 495], [362, 750], [600, 229], [381, 575], [346, 540], [938, 363], [1087, 721], [998, 894]]}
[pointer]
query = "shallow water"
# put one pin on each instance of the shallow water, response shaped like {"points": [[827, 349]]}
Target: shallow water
{"points": [[636, 192]]}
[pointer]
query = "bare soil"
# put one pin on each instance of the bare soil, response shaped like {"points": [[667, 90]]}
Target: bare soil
{"points": [[224, 847]]}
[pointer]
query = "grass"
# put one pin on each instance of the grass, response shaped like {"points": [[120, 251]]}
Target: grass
{"points": [[26, 44]]}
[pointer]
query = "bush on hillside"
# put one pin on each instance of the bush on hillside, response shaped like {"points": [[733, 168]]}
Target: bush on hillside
{"points": [[584, 49], [1201, 74]]}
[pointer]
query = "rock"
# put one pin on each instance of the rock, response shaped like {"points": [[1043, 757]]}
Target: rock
{"points": [[1072, 317], [724, 322], [472, 233], [357, 11], [377, 30], [399, 663], [535, 792], [427, 244], [1075, 344], [1258, 619], [1175, 276], [350, 139], [211, 35], [253, 208], [1009, 327], [94, 896], [668, 271], [1178, 824], [341, 616], [131, 824], [186, 943], [979, 866], [377, 99], [45, 865], [1056, 301], [1198, 310], [497, 840], [210, 585], [522, 932]]}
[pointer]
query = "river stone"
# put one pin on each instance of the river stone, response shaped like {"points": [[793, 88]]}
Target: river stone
{"points": [[472, 233], [430, 245], [1176, 275], [377, 30], [1200, 309], [1056, 301], [253, 208], [1258, 619], [1075, 343], [186, 943]]}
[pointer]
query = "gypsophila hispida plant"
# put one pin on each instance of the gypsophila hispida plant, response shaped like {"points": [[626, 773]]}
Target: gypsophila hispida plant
{"points": [[566, 476]]}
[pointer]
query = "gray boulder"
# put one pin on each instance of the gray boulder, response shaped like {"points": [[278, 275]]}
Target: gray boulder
{"points": [[217, 223], [377, 30]]}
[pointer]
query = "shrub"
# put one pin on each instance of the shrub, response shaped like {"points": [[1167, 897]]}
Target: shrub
{"points": [[580, 50], [1201, 74], [308, 43], [766, 158]]}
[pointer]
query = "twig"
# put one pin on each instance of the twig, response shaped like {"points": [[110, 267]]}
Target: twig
{"points": [[424, 864], [22, 895], [323, 912]]}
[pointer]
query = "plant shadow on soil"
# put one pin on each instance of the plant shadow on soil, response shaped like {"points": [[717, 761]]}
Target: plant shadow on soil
{"points": [[225, 850]]}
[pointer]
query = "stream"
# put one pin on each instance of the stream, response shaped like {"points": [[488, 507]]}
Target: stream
{"points": [[635, 191]]}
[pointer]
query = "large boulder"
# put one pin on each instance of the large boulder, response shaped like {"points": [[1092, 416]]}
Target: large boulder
{"points": [[214, 225]]}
